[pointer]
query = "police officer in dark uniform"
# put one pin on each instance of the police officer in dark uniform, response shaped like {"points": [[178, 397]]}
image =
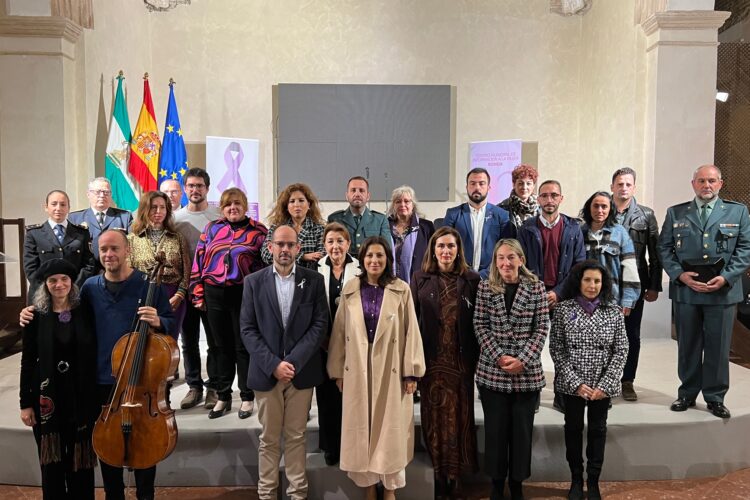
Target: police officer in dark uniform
{"points": [[695, 235], [360, 221], [57, 238], [101, 215]]}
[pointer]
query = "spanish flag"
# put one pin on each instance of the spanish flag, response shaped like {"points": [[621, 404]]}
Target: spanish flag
{"points": [[144, 148]]}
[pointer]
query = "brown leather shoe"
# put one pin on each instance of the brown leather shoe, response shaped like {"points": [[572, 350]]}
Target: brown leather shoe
{"points": [[191, 399], [628, 393], [211, 399]]}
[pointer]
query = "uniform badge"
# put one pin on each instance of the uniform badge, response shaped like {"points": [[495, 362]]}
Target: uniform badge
{"points": [[84, 225]]}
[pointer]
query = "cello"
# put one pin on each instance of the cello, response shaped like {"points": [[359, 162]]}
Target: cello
{"points": [[137, 429]]}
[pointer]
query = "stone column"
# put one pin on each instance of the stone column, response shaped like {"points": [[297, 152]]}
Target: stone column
{"points": [[40, 122], [680, 92], [679, 113]]}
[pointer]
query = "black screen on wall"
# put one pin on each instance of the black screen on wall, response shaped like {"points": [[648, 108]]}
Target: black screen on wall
{"points": [[390, 134]]}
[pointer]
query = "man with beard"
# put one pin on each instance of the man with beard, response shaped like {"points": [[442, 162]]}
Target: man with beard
{"points": [[283, 320], [704, 246], [479, 223], [553, 244], [358, 219], [190, 222]]}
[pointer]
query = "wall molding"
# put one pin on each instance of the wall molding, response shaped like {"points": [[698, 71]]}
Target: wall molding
{"points": [[684, 20], [40, 27], [681, 43]]}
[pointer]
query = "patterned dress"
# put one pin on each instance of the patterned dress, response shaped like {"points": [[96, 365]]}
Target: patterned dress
{"points": [[448, 394]]}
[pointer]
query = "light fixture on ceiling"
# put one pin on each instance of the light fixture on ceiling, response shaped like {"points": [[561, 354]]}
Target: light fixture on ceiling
{"points": [[570, 7], [164, 5], [722, 96]]}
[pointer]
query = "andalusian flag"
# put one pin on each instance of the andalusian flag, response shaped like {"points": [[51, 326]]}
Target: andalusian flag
{"points": [[124, 190], [144, 148], [173, 159]]}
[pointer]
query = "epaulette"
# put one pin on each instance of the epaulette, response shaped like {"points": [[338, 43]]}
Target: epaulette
{"points": [[82, 226], [376, 212], [730, 202], [34, 226], [337, 212]]}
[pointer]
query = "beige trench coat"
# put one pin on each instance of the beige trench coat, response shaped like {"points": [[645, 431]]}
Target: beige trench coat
{"points": [[386, 446]]}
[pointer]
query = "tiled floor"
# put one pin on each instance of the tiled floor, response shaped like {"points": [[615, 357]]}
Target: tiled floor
{"points": [[735, 485]]}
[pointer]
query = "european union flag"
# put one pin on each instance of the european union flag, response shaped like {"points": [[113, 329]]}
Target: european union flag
{"points": [[173, 162]]}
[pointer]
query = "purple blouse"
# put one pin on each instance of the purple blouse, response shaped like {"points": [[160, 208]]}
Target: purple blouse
{"points": [[372, 300]]}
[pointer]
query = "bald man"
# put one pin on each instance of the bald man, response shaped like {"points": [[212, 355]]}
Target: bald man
{"points": [[173, 190], [711, 235]]}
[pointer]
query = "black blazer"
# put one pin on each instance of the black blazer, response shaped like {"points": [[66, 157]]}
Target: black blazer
{"points": [[41, 245], [425, 289], [265, 337]]}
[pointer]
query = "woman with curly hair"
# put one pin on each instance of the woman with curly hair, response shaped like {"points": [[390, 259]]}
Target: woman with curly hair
{"points": [[522, 204], [410, 232], [297, 206], [589, 347], [58, 380]]}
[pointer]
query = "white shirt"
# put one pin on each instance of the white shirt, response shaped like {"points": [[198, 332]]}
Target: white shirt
{"points": [[54, 224], [284, 292], [477, 224], [549, 225]]}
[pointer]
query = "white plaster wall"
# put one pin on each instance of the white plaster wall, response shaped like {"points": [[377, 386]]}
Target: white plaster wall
{"points": [[611, 101], [515, 66]]}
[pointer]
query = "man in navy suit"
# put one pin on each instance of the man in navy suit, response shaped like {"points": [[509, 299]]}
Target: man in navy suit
{"points": [[479, 223], [100, 216], [283, 320]]}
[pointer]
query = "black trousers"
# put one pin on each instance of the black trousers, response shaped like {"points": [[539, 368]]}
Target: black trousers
{"points": [[191, 355], [223, 311], [633, 330], [596, 437], [59, 482], [114, 486], [508, 424], [328, 397]]}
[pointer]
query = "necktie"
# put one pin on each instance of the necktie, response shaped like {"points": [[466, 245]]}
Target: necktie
{"points": [[704, 215], [60, 233], [357, 219], [100, 218]]}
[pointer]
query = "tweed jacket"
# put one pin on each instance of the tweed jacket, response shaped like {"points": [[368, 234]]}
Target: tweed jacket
{"points": [[310, 241], [520, 334], [587, 349]]}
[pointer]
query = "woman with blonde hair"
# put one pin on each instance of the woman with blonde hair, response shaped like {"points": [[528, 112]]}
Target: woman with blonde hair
{"points": [[152, 232], [410, 232], [228, 250], [511, 322], [297, 206]]}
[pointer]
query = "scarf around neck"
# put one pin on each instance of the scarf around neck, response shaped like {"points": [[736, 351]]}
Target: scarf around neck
{"points": [[521, 210]]}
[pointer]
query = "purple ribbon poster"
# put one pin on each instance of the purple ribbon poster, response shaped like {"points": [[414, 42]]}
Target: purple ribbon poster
{"points": [[499, 158], [233, 162]]}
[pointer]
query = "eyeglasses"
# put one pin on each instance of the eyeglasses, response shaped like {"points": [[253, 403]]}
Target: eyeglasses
{"points": [[195, 186], [100, 192], [553, 196]]}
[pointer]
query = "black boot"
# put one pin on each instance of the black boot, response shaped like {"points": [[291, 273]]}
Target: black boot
{"points": [[592, 485], [516, 489], [441, 487], [498, 489], [576, 487]]}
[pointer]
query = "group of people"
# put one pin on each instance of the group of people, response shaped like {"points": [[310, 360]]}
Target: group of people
{"points": [[365, 308]]}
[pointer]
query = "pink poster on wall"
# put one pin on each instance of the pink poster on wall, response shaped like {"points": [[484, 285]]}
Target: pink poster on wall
{"points": [[499, 158]]}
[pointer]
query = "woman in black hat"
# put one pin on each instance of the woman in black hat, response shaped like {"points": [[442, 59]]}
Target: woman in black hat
{"points": [[58, 372]]}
